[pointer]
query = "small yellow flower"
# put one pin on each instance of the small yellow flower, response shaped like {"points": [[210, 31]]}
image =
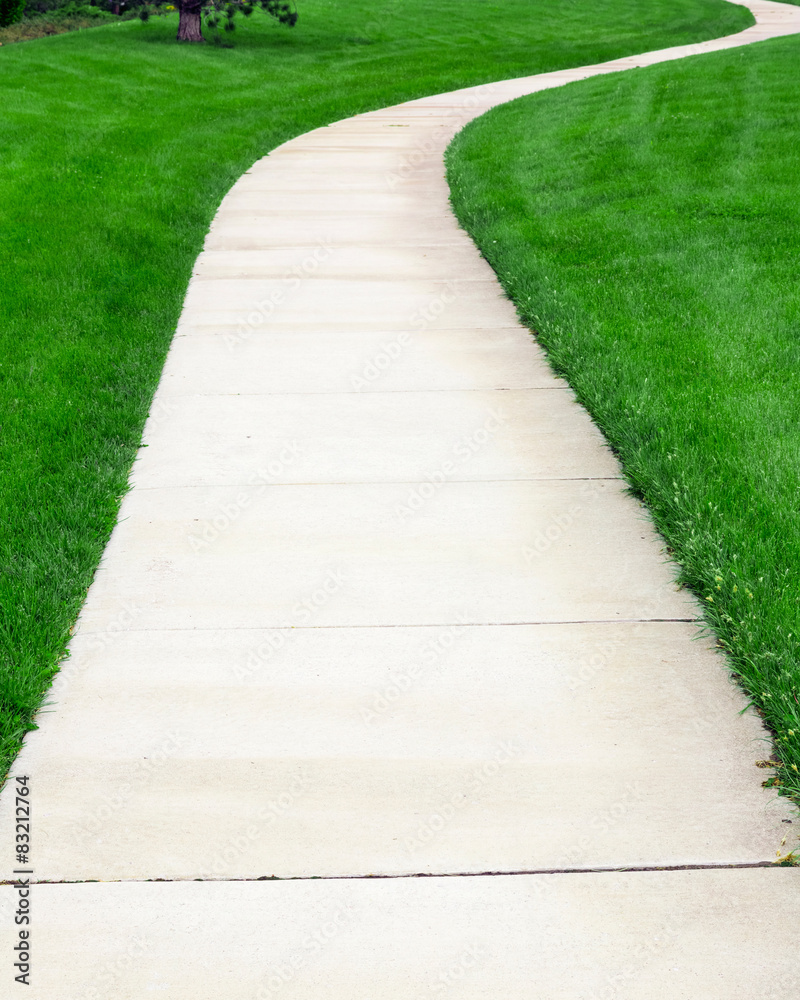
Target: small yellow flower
{"points": [[718, 579], [710, 598], [735, 588], [794, 767]]}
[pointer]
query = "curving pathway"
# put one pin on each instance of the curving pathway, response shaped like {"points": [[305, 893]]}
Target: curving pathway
{"points": [[378, 604]]}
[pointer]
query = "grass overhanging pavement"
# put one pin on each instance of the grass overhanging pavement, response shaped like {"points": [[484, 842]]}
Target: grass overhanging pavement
{"points": [[647, 227], [118, 146]]}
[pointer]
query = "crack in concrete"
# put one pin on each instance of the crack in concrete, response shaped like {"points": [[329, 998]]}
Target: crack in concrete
{"points": [[632, 869]]}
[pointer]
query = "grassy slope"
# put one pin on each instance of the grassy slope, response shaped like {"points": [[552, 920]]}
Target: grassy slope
{"points": [[118, 146], [647, 226]]}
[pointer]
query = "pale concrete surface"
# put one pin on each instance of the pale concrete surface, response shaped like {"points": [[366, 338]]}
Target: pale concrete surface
{"points": [[349, 361], [376, 437], [696, 935], [313, 751], [430, 262], [407, 553], [379, 603]]}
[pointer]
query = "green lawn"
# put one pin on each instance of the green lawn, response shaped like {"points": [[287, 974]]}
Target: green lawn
{"points": [[647, 226], [118, 145]]}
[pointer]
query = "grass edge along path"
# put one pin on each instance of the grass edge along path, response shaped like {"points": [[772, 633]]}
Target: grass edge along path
{"points": [[118, 147], [647, 227]]}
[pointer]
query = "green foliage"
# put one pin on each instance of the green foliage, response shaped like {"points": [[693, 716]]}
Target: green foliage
{"points": [[100, 9], [11, 11], [221, 13], [75, 9]]}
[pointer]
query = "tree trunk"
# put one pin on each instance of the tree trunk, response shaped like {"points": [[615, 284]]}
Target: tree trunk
{"points": [[189, 24]]}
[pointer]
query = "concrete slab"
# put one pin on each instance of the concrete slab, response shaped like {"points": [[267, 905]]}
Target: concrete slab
{"points": [[400, 174], [429, 263], [243, 556], [286, 229], [323, 199], [635, 936], [341, 141], [395, 437], [308, 751], [378, 305], [319, 299], [274, 361], [380, 163]]}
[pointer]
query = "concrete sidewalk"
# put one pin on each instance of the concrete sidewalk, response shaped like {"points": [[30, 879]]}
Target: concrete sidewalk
{"points": [[378, 604]]}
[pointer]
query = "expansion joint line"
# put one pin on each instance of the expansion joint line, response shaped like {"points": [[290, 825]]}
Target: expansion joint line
{"points": [[621, 870]]}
